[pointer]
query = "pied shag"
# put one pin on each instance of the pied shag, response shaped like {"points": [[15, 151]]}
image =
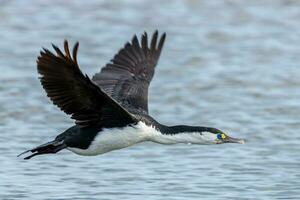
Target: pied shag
{"points": [[111, 109]]}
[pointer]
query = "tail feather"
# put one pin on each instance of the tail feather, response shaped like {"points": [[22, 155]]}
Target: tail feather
{"points": [[47, 148]]}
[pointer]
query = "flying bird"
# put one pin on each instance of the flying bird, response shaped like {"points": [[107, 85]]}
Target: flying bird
{"points": [[111, 109]]}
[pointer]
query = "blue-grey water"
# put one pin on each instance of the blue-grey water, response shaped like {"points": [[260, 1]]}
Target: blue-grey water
{"points": [[230, 64]]}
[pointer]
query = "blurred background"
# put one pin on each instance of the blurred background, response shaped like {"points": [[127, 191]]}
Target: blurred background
{"points": [[230, 64]]}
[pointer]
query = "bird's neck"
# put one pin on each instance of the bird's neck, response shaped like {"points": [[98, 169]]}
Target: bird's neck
{"points": [[181, 134], [178, 129]]}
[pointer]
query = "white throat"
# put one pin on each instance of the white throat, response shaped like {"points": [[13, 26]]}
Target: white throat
{"points": [[183, 137]]}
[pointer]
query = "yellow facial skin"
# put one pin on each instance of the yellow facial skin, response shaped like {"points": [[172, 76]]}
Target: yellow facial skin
{"points": [[220, 138]]}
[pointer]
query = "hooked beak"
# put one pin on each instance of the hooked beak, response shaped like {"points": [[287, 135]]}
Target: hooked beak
{"points": [[233, 140]]}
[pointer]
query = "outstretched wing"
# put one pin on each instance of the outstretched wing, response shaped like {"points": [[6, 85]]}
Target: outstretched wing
{"points": [[127, 77], [75, 93]]}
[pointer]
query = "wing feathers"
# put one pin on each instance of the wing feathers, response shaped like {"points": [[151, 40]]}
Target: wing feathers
{"points": [[153, 43], [145, 44], [66, 47], [75, 49], [74, 93], [132, 69], [161, 44]]}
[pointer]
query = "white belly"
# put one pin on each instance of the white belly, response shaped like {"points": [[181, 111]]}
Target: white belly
{"points": [[113, 139]]}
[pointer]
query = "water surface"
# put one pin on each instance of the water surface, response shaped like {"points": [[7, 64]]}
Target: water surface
{"points": [[229, 64]]}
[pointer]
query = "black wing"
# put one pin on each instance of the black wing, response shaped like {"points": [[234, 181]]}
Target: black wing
{"points": [[75, 93], [127, 77]]}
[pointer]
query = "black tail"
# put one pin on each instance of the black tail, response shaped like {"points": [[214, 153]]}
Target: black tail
{"points": [[50, 147]]}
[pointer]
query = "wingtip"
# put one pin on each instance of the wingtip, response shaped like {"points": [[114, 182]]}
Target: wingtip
{"points": [[53, 45], [144, 40], [135, 41], [155, 34], [41, 52], [65, 42], [145, 34], [75, 49], [57, 50], [66, 47], [134, 37], [76, 44], [161, 41], [44, 50], [127, 44]]}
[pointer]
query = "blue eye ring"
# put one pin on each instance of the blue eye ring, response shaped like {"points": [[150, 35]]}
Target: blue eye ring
{"points": [[221, 136]]}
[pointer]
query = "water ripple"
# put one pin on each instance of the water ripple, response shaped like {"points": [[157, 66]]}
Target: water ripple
{"points": [[229, 64]]}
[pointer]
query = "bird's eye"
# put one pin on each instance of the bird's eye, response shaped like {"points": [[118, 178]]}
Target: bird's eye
{"points": [[221, 136]]}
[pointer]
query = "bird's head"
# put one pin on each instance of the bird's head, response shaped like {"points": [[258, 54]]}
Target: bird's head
{"points": [[220, 137], [195, 135]]}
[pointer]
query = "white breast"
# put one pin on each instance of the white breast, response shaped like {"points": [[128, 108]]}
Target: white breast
{"points": [[116, 138]]}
